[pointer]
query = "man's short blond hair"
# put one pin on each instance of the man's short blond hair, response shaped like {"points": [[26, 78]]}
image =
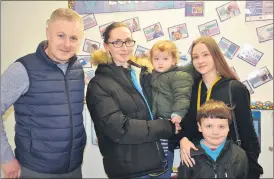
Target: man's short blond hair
{"points": [[65, 14]]}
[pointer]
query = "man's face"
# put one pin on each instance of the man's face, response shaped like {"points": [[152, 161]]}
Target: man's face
{"points": [[64, 39]]}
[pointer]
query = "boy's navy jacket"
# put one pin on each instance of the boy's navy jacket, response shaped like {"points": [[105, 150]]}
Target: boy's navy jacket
{"points": [[231, 163]]}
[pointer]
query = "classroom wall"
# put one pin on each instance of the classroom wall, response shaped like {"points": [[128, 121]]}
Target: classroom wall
{"points": [[23, 27]]}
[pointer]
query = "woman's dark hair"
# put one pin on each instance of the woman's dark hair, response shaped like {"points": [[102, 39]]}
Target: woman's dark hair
{"points": [[109, 28]]}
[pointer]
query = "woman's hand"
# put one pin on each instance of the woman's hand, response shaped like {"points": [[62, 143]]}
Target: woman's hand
{"points": [[185, 146]]}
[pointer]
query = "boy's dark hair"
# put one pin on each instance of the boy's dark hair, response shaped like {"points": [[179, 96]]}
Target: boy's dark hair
{"points": [[214, 109]]}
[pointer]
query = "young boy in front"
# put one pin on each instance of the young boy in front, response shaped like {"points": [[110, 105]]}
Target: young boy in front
{"points": [[217, 155]]}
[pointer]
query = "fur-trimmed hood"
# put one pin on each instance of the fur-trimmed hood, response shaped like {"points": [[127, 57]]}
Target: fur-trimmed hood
{"points": [[102, 57]]}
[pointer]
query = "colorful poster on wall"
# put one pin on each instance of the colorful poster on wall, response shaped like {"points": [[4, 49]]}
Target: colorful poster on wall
{"points": [[96, 7], [210, 28], [228, 11], [90, 46], [102, 28], [257, 124], [141, 51], [194, 9], [178, 32], [258, 11], [228, 48], [249, 54], [153, 31], [259, 77], [265, 33], [89, 21], [133, 24], [84, 60], [248, 86]]}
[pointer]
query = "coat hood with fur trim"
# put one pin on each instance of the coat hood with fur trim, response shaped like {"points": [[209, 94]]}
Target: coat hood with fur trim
{"points": [[102, 57]]}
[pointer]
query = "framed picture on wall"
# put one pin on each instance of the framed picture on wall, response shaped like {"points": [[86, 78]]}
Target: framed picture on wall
{"points": [[84, 60], [228, 48], [194, 9], [102, 28], [250, 55], [248, 86], [141, 51], [228, 11], [210, 28], [178, 32], [265, 32], [258, 10], [133, 24], [89, 21], [259, 77], [90, 46], [153, 31]]}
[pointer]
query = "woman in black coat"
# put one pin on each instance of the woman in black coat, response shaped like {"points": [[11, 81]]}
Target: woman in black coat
{"points": [[128, 137]]}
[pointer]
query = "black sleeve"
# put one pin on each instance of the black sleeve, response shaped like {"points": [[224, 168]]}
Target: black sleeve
{"points": [[249, 139], [110, 121], [184, 171], [189, 123], [241, 163]]}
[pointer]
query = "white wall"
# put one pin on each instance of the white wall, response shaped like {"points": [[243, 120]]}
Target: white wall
{"points": [[23, 27]]}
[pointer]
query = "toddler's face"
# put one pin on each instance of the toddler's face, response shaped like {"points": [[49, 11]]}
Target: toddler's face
{"points": [[162, 61], [214, 130]]}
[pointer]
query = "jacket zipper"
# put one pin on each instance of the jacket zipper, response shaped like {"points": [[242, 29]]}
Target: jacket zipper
{"points": [[70, 113], [141, 82], [215, 164]]}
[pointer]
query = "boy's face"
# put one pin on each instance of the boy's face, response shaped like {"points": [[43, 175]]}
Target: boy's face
{"points": [[214, 130], [162, 61]]}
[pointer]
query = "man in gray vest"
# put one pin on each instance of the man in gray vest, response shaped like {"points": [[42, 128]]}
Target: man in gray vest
{"points": [[47, 91]]}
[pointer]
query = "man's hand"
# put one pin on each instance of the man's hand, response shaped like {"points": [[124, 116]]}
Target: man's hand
{"points": [[11, 169]]}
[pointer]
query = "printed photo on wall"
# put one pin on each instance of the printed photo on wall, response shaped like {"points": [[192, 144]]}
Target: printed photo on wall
{"points": [[184, 59], [228, 48], [265, 32], [256, 115], [194, 9], [102, 28], [259, 77], [178, 32], [258, 10], [89, 21], [133, 24], [141, 51], [228, 11], [153, 31], [89, 74], [249, 54], [210, 28], [84, 60], [234, 71], [248, 86], [90, 46]]}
